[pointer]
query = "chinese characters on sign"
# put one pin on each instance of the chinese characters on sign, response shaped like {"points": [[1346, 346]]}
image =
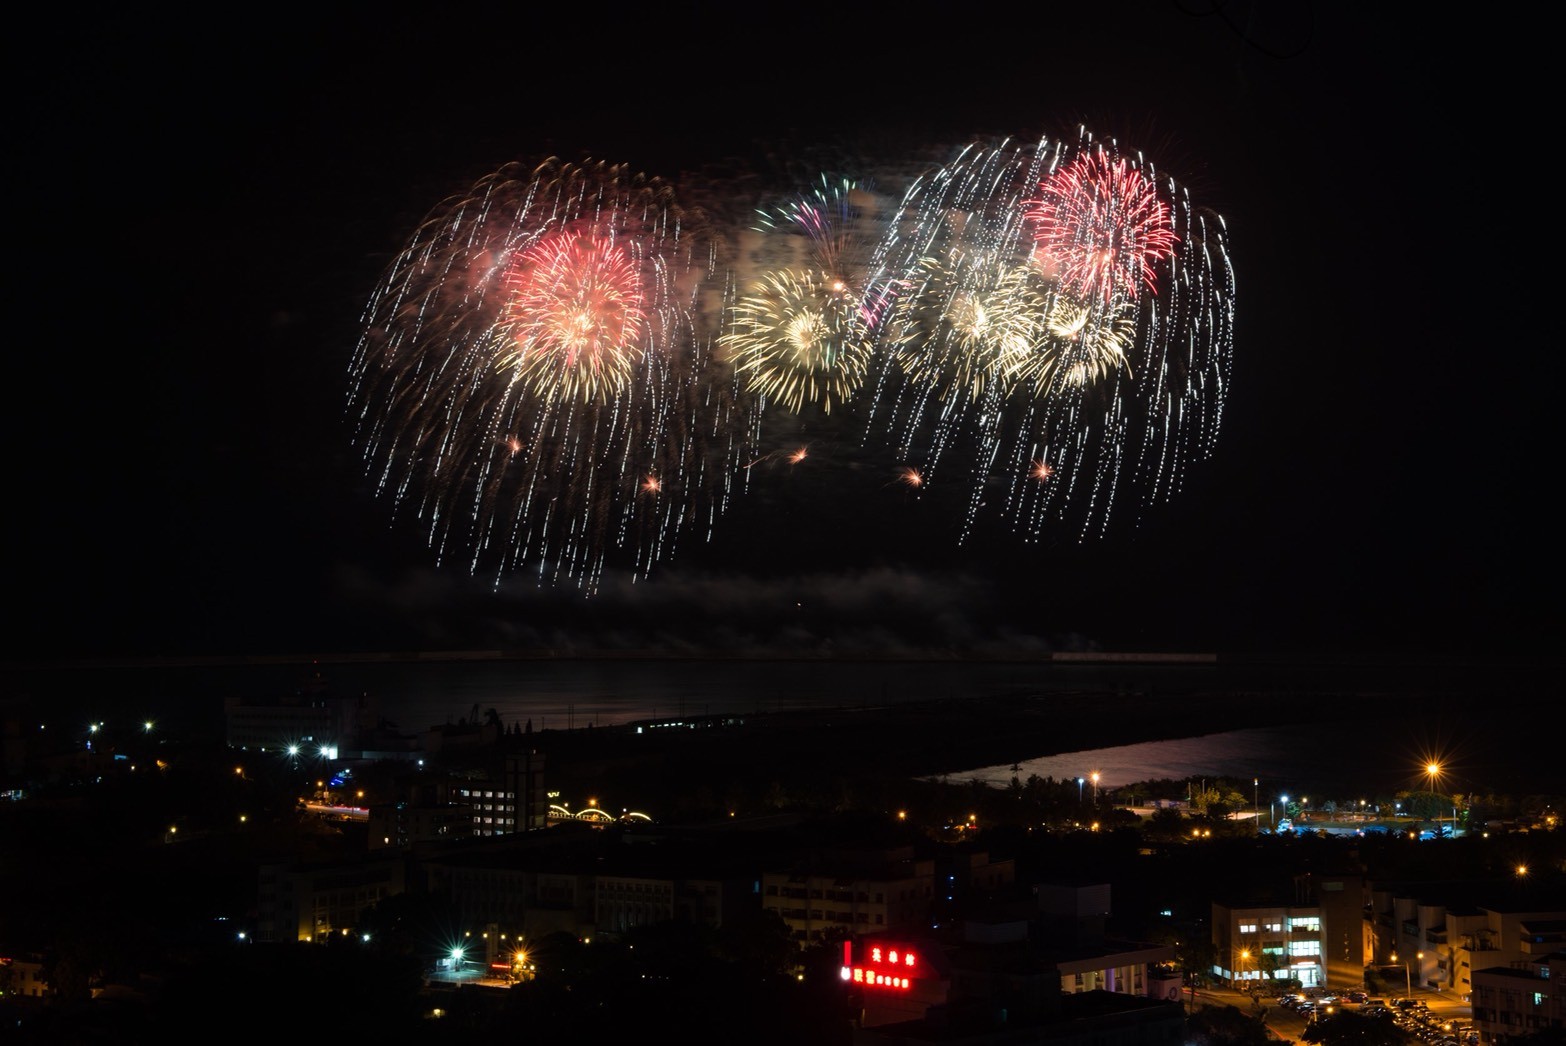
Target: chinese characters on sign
{"points": [[889, 966]]}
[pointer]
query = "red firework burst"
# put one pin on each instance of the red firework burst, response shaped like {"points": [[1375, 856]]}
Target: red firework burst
{"points": [[575, 315], [1100, 226]]}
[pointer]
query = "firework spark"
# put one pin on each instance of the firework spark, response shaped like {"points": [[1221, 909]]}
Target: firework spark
{"points": [[801, 331], [1100, 224], [534, 383], [573, 324], [1059, 303], [967, 326], [797, 337], [565, 369]]}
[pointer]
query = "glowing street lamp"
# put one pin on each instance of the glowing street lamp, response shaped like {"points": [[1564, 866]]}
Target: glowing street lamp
{"points": [[1408, 978], [1095, 787], [1433, 771], [1079, 791]]}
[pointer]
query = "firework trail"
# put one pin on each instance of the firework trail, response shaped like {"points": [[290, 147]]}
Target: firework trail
{"points": [[535, 382], [1062, 332]]}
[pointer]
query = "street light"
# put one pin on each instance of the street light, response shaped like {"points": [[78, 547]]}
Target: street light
{"points": [[1245, 953], [1408, 978], [1095, 787], [1433, 771], [1079, 791], [1256, 801]]}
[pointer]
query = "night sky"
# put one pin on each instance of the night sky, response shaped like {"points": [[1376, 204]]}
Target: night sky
{"points": [[207, 204]]}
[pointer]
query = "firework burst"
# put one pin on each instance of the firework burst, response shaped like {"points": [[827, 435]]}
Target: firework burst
{"points": [[534, 383], [797, 337], [965, 327], [801, 330], [573, 324], [1064, 314], [1100, 224], [566, 370]]}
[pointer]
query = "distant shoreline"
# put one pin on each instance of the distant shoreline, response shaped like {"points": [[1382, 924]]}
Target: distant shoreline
{"points": [[470, 656], [1321, 659]]}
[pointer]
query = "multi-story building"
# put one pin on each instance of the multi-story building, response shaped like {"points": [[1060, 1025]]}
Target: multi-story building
{"points": [[1277, 942], [1032, 965], [834, 896], [1438, 933], [305, 903], [401, 824], [307, 726], [1312, 931], [23, 976], [576, 879], [1519, 1000], [498, 791]]}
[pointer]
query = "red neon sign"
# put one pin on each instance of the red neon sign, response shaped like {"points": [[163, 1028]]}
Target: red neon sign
{"points": [[889, 966]]}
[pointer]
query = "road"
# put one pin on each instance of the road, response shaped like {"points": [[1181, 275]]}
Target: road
{"points": [[1287, 1025]]}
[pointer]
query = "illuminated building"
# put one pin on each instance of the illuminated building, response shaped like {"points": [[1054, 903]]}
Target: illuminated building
{"points": [[1525, 999], [1451, 929], [308, 722], [910, 990], [895, 980], [851, 894], [308, 903], [23, 975], [579, 880], [1313, 932]]}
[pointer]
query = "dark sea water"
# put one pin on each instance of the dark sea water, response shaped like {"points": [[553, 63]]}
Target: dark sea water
{"points": [[1285, 722]]}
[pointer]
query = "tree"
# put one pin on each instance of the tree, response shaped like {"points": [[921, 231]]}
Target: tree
{"points": [[1166, 822], [1224, 1026], [759, 941], [1348, 1028]]}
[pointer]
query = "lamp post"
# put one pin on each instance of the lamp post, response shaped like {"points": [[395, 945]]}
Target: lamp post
{"points": [[1433, 771], [1408, 977], [1256, 801], [1245, 953], [1079, 791], [1095, 787]]}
